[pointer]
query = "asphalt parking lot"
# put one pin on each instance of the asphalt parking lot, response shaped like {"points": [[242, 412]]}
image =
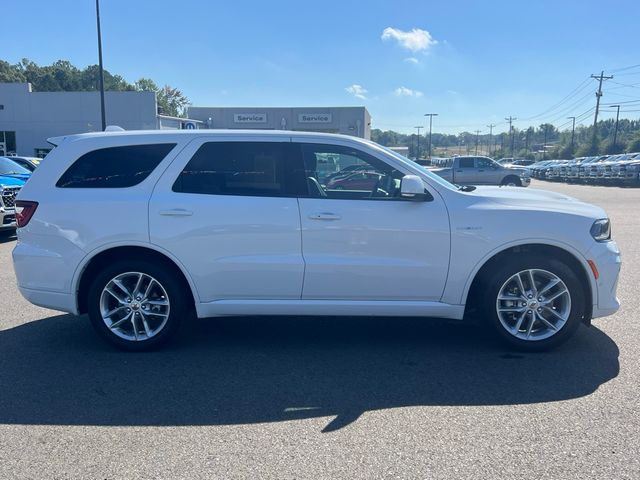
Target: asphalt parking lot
{"points": [[324, 398]]}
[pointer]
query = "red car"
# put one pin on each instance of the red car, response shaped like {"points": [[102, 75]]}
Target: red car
{"points": [[355, 181]]}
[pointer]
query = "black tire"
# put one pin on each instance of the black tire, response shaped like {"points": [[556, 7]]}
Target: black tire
{"points": [[509, 266], [511, 179], [165, 275]]}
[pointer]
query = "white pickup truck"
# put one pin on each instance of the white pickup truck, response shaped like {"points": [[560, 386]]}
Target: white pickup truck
{"points": [[473, 170]]}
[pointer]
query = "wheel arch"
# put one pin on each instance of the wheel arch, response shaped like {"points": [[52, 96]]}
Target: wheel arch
{"points": [[473, 288], [101, 257]]}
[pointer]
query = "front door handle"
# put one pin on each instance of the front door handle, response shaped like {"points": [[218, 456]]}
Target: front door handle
{"points": [[324, 216], [176, 212]]}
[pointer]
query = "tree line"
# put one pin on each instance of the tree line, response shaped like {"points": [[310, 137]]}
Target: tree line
{"points": [[62, 76], [545, 140]]}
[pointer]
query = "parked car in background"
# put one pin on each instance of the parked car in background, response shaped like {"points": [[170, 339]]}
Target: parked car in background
{"points": [[628, 171], [238, 223], [473, 170], [30, 163], [12, 178]]}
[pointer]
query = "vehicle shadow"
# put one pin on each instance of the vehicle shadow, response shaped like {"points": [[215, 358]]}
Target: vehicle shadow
{"points": [[245, 370]]}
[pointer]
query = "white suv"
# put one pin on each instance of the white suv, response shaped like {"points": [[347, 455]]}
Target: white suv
{"points": [[139, 229]]}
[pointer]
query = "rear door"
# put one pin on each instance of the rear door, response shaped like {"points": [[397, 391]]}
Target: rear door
{"points": [[227, 209], [464, 170]]}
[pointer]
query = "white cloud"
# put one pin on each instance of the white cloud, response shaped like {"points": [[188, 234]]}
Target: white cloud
{"points": [[407, 92], [412, 60], [452, 92], [415, 40], [357, 91]]}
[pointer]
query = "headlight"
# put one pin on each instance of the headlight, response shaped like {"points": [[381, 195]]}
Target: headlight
{"points": [[601, 230]]}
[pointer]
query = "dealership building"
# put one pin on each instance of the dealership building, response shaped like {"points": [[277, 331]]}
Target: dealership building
{"points": [[28, 118], [354, 121]]}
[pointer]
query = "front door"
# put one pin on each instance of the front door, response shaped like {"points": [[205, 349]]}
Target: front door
{"points": [[228, 211], [361, 240]]}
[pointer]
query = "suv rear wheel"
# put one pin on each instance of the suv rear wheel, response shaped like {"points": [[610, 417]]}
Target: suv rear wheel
{"points": [[534, 303], [136, 305]]}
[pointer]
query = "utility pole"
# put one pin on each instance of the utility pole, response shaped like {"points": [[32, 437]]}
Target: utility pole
{"points": [[526, 142], [477, 133], [600, 78], [615, 134], [491, 125], [418, 149], [430, 115], [101, 70], [544, 147], [573, 131], [510, 120]]}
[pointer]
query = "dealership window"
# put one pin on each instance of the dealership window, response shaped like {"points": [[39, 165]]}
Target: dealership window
{"points": [[114, 167], [7, 142], [41, 152], [242, 168], [335, 171]]}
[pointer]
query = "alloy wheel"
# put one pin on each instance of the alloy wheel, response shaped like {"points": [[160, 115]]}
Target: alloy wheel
{"points": [[533, 304], [134, 306]]}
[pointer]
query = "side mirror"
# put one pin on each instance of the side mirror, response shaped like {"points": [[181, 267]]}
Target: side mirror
{"points": [[412, 188]]}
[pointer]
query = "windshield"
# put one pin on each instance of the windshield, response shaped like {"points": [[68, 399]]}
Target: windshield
{"points": [[432, 176], [9, 167]]}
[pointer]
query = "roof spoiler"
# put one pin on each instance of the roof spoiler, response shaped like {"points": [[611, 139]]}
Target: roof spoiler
{"points": [[55, 141]]}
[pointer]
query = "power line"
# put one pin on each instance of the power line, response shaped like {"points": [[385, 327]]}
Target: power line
{"points": [[570, 95], [625, 68]]}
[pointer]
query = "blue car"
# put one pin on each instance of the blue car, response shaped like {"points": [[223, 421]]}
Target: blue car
{"points": [[12, 177]]}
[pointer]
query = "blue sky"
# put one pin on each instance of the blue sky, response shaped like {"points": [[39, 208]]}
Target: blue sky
{"points": [[472, 62]]}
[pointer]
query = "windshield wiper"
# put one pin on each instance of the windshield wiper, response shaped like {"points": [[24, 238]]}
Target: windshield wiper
{"points": [[466, 188]]}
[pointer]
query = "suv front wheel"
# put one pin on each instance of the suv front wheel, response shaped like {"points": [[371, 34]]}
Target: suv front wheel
{"points": [[136, 305], [534, 303]]}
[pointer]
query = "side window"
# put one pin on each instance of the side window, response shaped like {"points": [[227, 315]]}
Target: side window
{"points": [[466, 162], [114, 167], [484, 163], [334, 171], [242, 168]]}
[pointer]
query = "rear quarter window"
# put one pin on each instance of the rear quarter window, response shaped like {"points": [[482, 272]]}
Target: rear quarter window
{"points": [[114, 167]]}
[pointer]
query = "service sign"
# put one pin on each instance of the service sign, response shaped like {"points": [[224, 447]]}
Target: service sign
{"points": [[250, 118], [314, 118]]}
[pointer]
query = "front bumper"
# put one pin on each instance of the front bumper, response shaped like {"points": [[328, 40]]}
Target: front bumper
{"points": [[606, 257], [7, 218]]}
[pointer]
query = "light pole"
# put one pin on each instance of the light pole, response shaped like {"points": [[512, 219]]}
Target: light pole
{"points": [[615, 134], [101, 70], [573, 131], [418, 147], [430, 115]]}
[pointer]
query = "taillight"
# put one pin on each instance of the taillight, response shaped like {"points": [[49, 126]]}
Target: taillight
{"points": [[24, 211]]}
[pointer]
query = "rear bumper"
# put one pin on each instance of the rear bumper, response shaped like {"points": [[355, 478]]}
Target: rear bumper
{"points": [[63, 302]]}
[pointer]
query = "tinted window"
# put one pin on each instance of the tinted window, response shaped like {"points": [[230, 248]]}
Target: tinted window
{"points": [[466, 162], [334, 171], [484, 163], [114, 167], [241, 168]]}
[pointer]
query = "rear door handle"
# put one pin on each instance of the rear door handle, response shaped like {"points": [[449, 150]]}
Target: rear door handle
{"points": [[176, 212], [324, 216]]}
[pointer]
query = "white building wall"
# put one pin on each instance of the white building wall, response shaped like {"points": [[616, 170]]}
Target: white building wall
{"points": [[36, 116]]}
